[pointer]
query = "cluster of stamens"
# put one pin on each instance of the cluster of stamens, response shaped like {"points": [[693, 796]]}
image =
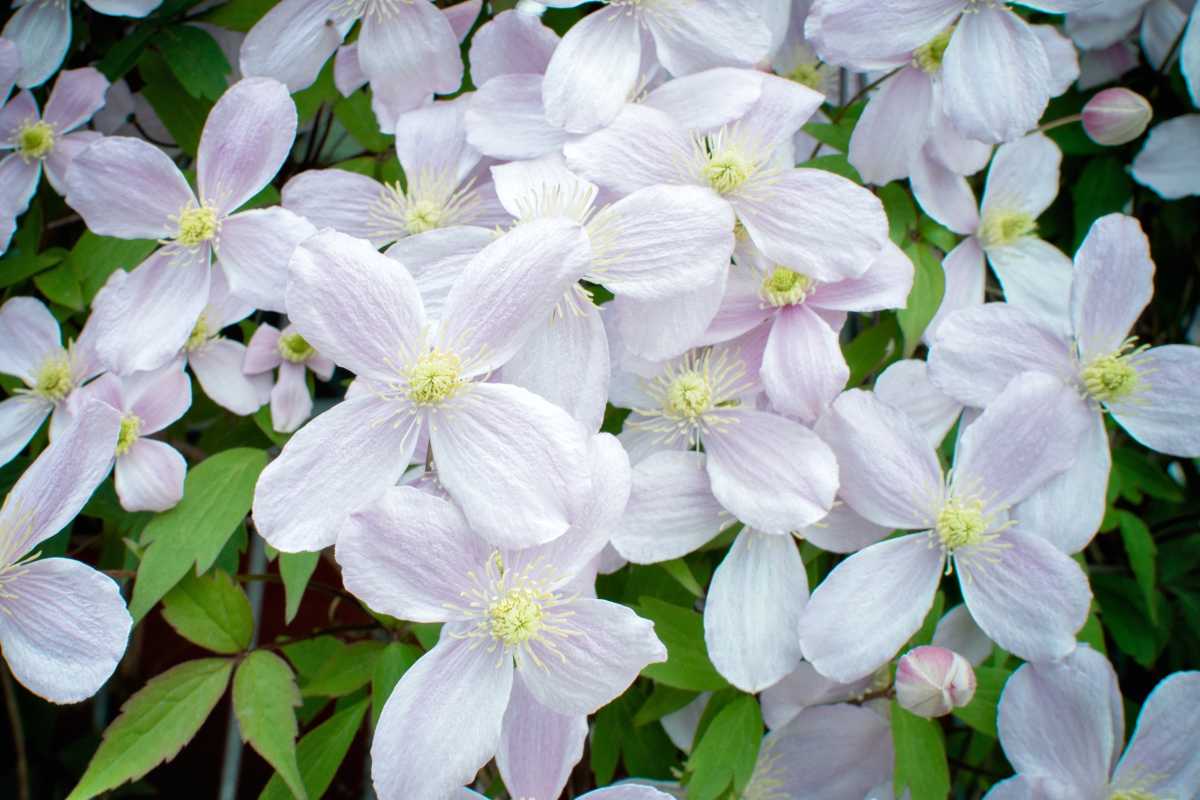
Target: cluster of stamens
{"points": [[131, 429], [54, 380], [785, 287], [929, 56], [197, 225], [961, 523], [34, 140], [1001, 228], [1113, 377], [434, 377], [200, 334], [431, 200], [294, 348], [691, 391]]}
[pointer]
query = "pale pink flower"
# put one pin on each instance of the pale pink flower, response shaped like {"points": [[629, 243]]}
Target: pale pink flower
{"points": [[1116, 116], [287, 351], [10, 67], [933, 681]]}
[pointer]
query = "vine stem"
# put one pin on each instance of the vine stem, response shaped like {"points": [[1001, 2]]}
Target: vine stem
{"points": [[841, 112], [1058, 123], [18, 734]]}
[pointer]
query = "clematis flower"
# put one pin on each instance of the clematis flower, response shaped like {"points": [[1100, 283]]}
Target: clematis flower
{"points": [[618, 792], [1025, 594], [512, 460], [1166, 162], [932, 681], [10, 67], [41, 29], [1158, 23], [1022, 183], [148, 473], [270, 348], [31, 349], [1149, 392], [50, 140], [906, 385], [514, 42], [63, 625], [129, 189], [524, 646], [1077, 700]]}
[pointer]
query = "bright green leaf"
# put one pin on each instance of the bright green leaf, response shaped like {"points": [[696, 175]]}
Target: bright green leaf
{"points": [[320, 753], [980, 713], [920, 756], [183, 115], [350, 668], [94, 258], [265, 698], [726, 753], [929, 283], [901, 213], [195, 59], [682, 631], [663, 700], [838, 164], [61, 285], [393, 662], [238, 15], [355, 114], [296, 569], [678, 569], [1139, 546], [211, 611]]}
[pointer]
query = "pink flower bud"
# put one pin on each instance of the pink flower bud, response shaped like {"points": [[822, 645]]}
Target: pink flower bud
{"points": [[933, 681], [1116, 116]]}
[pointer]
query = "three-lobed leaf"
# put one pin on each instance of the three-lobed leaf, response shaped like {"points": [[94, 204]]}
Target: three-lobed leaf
{"points": [[211, 611], [320, 753]]}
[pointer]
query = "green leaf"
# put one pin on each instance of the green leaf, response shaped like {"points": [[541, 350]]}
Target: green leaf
{"points": [[1092, 633], [126, 51], [678, 569], [836, 136], [355, 114], [195, 59], [265, 698], [1103, 188], [350, 668], [1139, 546], [216, 497], [838, 164], [920, 756], [61, 285], [321, 752], [296, 569], [211, 611], [929, 283], [663, 700], [1135, 469], [871, 349], [1126, 617], [645, 750], [238, 15], [182, 114], [726, 752], [94, 258], [901, 213], [155, 724], [682, 631], [980, 713], [393, 662]]}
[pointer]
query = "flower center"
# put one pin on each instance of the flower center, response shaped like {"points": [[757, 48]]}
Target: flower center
{"points": [[727, 168], [1002, 228], [294, 348], [35, 140], [689, 396], [435, 377], [423, 215], [811, 75], [516, 617], [961, 523], [131, 429], [197, 225], [930, 55], [54, 380], [199, 336], [1131, 794], [785, 287], [1112, 377]]}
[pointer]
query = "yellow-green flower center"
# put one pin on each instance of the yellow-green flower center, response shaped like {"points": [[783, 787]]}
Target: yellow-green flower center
{"points": [[435, 377], [727, 169], [516, 617], [1112, 377], [811, 75], [54, 380], [930, 55], [785, 287], [35, 140], [1132, 794], [1002, 228], [197, 225], [423, 215], [689, 395], [131, 429], [961, 523], [294, 348], [199, 335]]}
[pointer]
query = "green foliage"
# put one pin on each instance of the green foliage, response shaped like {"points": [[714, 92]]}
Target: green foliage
{"points": [[920, 756], [211, 611], [395, 660], [296, 569], [682, 631], [265, 698], [980, 713], [929, 283], [320, 753], [195, 59], [723, 756]]}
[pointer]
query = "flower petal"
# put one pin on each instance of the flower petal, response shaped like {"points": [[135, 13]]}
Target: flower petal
{"points": [[311, 32], [1036, 276], [641, 147], [1113, 284], [506, 119], [944, 194], [905, 385], [957, 631], [849, 32], [894, 127], [593, 71], [432, 141], [410, 43], [20, 418], [844, 530], [255, 248], [729, 93], [1160, 758], [1164, 163], [335, 198], [1024, 176], [218, 369], [29, 334], [717, 33], [803, 688], [538, 747], [663, 328], [59, 161], [42, 33], [511, 43], [803, 368], [965, 279], [1164, 414], [886, 284], [149, 477]]}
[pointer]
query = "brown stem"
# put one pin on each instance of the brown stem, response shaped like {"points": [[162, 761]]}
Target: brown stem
{"points": [[18, 734]]}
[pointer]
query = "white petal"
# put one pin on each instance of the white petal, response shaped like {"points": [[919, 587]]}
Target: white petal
{"points": [[538, 747], [20, 418], [218, 368], [312, 35], [29, 333], [437, 258], [42, 33], [728, 94], [957, 631], [410, 43], [1114, 281], [965, 278], [1165, 163], [593, 72], [803, 688], [1036, 276], [894, 127], [905, 385], [642, 147], [1023, 176], [506, 119], [291, 404], [849, 32], [660, 329], [1160, 757], [844, 530], [690, 38], [255, 248], [1164, 414], [944, 195], [833, 752], [511, 43], [150, 476], [433, 141], [803, 368]]}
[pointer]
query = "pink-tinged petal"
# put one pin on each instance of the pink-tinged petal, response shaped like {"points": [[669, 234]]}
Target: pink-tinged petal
{"points": [[362, 452], [143, 318], [593, 71], [905, 385], [353, 304], [149, 477], [753, 610], [1162, 24], [61, 479], [689, 38], [77, 94], [517, 464], [965, 278], [312, 33], [411, 554], [432, 142], [996, 76], [392, 98], [1161, 758], [1028, 433], [1064, 720], [889, 472], [41, 29], [246, 139], [335, 198], [63, 155], [1165, 163], [776, 117], [218, 368], [1114, 281], [506, 119], [843, 226], [1025, 787], [1164, 412], [608, 647], [64, 629], [224, 307], [255, 248], [961, 155], [20, 418], [410, 42], [291, 404], [957, 631], [421, 751], [510, 289], [348, 76], [538, 747], [803, 368], [1026, 595], [772, 473], [894, 127], [1036, 276], [462, 16], [262, 354], [868, 607], [15, 113], [437, 258], [803, 688], [29, 334], [511, 43], [659, 240], [628, 792], [671, 509], [524, 189], [661, 329], [728, 92], [943, 194], [1067, 510], [844, 530], [1098, 67], [742, 308], [572, 338], [20, 182], [1023, 176], [128, 188], [10, 67], [977, 351], [642, 147], [1062, 57], [158, 398], [849, 32], [833, 752]]}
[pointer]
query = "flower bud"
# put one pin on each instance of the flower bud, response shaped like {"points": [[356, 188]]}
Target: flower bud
{"points": [[1116, 116], [933, 681]]}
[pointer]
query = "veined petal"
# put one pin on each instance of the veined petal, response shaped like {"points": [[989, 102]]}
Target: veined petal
{"points": [[1160, 758], [894, 127], [1113, 284], [944, 195], [642, 147], [689, 38], [506, 119], [150, 476], [1024, 176], [803, 368], [255, 248], [1164, 414], [433, 141], [957, 631], [965, 276], [77, 94], [63, 155], [1163, 163], [410, 42], [844, 530], [218, 369], [803, 688], [335, 198], [20, 418], [849, 32], [593, 71], [511, 43], [538, 747], [28, 334], [906, 386], [41, 30], [728, 92], [664, 328], [291, 404], [312, 30]]}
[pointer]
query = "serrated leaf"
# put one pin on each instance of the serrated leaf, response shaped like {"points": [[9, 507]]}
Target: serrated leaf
{"points": [[295, 569], [349, 669], [216, 497], [393, 662], [195, 59], [320, 753], [265, 698], [929, 284], [980, 713], [682, 631], [726, 753], [211, 611], [155, 723], [920, 756]]}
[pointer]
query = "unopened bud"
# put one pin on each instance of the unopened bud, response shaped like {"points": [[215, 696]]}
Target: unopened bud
{"points": [[1116, 116], [933, 681]]}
